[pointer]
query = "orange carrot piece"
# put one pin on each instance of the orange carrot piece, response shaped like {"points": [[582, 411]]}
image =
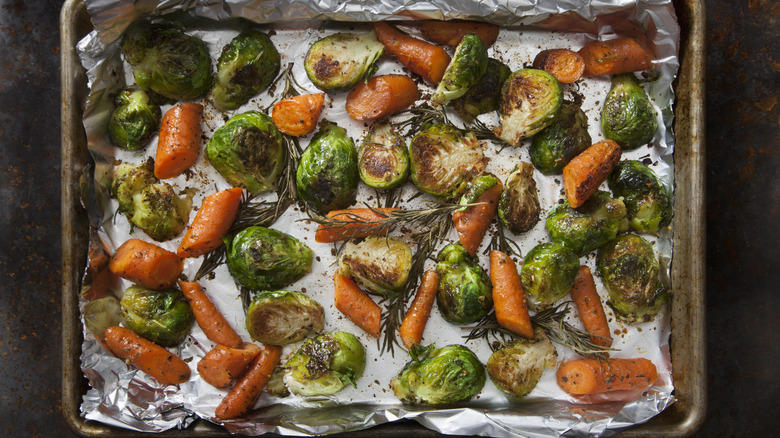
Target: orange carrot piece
{"points": [[325, 234], [566, 65], [211, 223], [416, 317], [298, 115], [509, 296], [589, 306], [472, 224], [178, 145], [223, 364], [147, 356], [381, 96], [240, 398], [585, 173], [621, 55], [589, 376], [356, 305], [146, 264], [425, 59], [452, 32], [209, 319]]}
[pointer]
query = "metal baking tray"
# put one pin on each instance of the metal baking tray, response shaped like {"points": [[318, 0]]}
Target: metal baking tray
{"points": [[688, 342]]}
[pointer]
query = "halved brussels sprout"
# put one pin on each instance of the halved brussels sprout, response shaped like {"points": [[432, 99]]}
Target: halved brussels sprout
{"points": [[262, 258], [101, 314], [440, 376], [465, 294], [325, 364], [648, 201], [467, 66], [518, 207], [161, 316], [327, 176], [283, 317], [589, 226], [134, 120], [548, 273], [444, 160], [247, 66], [517, 367], [530, 101], [553, 147], [380, 264], [383, 161], [248, 151], [628, 116], [477, 187], [275, 385], [339, 61], [485, 95]]}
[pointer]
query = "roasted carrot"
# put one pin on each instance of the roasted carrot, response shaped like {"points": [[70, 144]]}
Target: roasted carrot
{"points": [[416, 317], [356, 305], [147, 356], [178, 145], [566, 65], [451, 32], [509, 296], [355, 218], [209, 319], [588, 302], [589, 376], [472, 223], [621, 55], [146, 264], [423, 58], [381, 96], [298, 115], [585, 172], [211, 223], [223, 364], [240, 398]]}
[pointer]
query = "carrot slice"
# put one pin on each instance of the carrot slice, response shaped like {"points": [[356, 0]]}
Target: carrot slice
{"points": [[416, 318], [472, 224], [209, 319], [147, 356], [381, 96], [223, 364], [425, 59], [621, 55], [589, 376], [566, 65], [356, 305], [509, 296], [146, 264], [241, 397], [178, 145], [452, 32], [583, 175], [589, 306], [298, 115], [211, 223], [356, 224]]}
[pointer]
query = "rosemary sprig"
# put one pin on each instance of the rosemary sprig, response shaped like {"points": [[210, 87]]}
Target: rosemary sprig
{"points": [[499, 241], [483, 132], [421, 117]]}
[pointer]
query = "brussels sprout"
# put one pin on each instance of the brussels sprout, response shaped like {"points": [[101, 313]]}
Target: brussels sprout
{"points": [[134, 120], [485, 95], [325, 364], [444, 160], [648, 201], [379, 264], [434, 376], [628, 116], [477, 188], [339, 61], [553, 147], [518, 207], [467, 66], [247, 66], [465, 294], [262, 258], [517, 367], [101, 314], [383, 161], [530, 101], [629, 269], [589, 226], [163, 317], [283, 317], [548, 273], [168, 62], [327, 176], [275, 385]]}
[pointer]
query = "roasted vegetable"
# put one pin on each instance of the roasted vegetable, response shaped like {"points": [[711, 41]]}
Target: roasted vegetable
{"points": [[517, 367], [465, 294], [628, 116], [437, 376], [629, 268], [134, 119], [548, 272], [530, 101], [557, 144], [380, 265], [485, 95], [101, 314], [647, 199], [519, 206], [248, 151], [589, 226], [325, 364], [283, 317], [339, 61], [383, 160], [262, 258], [163, 317], [467, 66]]}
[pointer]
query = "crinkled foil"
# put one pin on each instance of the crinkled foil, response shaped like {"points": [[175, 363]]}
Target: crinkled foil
{"points": [[121, 396]]}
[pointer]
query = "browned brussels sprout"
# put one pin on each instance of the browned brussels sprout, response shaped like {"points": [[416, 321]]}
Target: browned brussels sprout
{"points": [[161, 316], [485, 95], [339, 61], [548, 273], [519, 206], [648, 200], [553, 147], [465, 69], [325, 364], [530, 101], [588, 226], [465, 294], [134, 120], [283, 317], [380, 264], [628, 116], [517, 367], [383, 160]]}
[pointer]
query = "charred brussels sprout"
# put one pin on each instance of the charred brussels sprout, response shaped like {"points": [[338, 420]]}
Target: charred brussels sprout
{"points": [[648, 201], [247, 66], [163, 317], [262, 258], [437, 376], [327, 176], [589, 226], [517, 367], [518, 207], [339, 61], [477, 187], [134, 120], [383, 161], [548, 273], [444, 160], [101, 314], [325, 365], [530, 101], [248, 151], [553, 147], [465, 294], [628, 116], [467, 66], [485, 95], [283, 317], [629, 269], [379, 264]]}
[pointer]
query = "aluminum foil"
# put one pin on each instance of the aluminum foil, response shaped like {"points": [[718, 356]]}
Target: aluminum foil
{"points": [[123, 397]]}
